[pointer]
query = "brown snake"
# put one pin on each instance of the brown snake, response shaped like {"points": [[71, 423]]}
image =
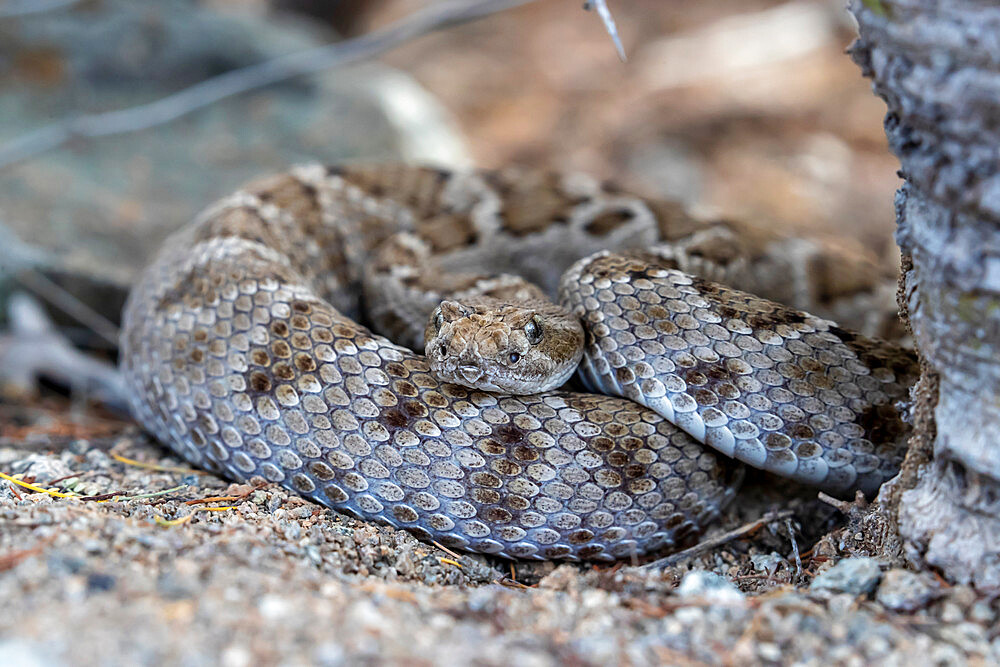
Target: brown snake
{"points": [[242, 352]]}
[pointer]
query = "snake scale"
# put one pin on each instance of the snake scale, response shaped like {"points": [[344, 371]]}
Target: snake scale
{"points": [[242, 350]]}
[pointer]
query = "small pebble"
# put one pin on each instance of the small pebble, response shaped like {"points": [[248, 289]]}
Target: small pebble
{"points": [[767, 563], [902, 590], [982, 612], [79, 447], [98, 582], [701, 584], [857, 576]]}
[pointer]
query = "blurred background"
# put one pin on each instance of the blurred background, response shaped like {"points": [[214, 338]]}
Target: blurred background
{"points": [[743, 108], [115, 125]]}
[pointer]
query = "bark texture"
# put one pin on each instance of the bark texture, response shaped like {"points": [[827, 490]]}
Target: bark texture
{"points": [[936, 63]]}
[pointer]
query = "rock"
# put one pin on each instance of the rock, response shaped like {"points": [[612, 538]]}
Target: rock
{"points": [[905, 591], [767, 563], [857, 576], [708, 585]]}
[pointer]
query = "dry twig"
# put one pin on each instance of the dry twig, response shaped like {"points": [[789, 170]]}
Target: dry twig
{"points": [[718, 540], [18, 8], [609, 24], [435, 17]]}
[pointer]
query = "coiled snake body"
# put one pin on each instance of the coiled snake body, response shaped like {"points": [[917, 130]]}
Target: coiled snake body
{"points": [[243, 353]]}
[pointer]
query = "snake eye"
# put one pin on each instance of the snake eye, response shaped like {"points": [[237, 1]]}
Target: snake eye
{"points": [[438, 319], [533, 330], [514, 357]]}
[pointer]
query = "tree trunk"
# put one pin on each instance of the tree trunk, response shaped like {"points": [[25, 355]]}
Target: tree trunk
{"points": [[936, 63]]}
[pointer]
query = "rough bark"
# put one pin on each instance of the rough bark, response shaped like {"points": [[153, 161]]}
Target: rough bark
{"points": [[937, 65]]}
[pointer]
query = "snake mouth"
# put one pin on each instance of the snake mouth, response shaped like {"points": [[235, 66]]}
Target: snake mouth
{"points": [[470, 374]]}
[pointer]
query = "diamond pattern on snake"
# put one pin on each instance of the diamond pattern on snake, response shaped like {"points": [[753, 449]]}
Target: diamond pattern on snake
{"points": [[244, 351]]}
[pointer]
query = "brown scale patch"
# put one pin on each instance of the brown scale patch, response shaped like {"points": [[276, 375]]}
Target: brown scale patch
{"points": [[305, 363], [303, 484], [260, 382], [490, 497], [685, 531], [607, 478], [617, 459], [837, 273], [609, 221], [719, 251], [486, 479], [344, 331], [390, 325], [435, 400], [581, 536], [404, 514], [555, 552], [808, 449], [875, 354], [646, 273], [624, 375], [615, 429], [292, 195], [300, 322], [260, 357], [301, 307], [492, 447], [634, 470], [280, 349], [904, 363], [335, 494], [847, 337], [279, 328], [589, 552], [705, 398], [696, 378], [801, 432], [510, 434], [532, 202], [321, 470], [882, 424], [728, 391], [283, 371], [505, 467], [602, 444], [417, 188], [396, 369], [447, 232], [415, 409], [196, 356], [405, 388], [243, 223], [394, 418], [631, 443], [517, 503], [772, 317], [200, 335], [672, 221], [525, 454]]}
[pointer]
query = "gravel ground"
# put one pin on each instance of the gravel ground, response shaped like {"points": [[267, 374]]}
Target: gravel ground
{"points": [[278, 580]]}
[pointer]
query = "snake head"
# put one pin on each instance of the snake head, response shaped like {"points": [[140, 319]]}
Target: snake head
{"points": [[510, 347]]}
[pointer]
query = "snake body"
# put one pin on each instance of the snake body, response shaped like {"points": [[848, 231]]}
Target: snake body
{"points": [[243, 352]]}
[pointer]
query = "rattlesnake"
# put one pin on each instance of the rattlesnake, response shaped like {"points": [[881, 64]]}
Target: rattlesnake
{"points": [[242, 352]]}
